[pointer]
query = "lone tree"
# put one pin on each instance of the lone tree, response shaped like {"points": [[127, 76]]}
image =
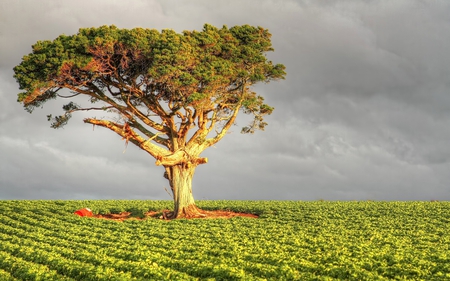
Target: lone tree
{"points": [[173, 95]]}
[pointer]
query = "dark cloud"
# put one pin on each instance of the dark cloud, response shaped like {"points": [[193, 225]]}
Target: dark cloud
{"points": [[363, 114]]}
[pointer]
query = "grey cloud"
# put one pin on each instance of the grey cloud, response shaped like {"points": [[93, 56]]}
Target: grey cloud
{"points": [[49, 173], [364, 111]]}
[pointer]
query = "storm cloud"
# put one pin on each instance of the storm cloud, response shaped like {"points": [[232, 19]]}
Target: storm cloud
{"points": [[364, 112]]}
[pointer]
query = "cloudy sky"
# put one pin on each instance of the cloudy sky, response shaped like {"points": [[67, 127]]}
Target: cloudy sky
{"points": [[364, 112]]}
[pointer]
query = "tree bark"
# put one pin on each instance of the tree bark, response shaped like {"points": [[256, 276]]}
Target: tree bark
{"points": [[180, 179]]}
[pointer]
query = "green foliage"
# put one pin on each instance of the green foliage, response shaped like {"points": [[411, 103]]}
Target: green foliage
{"points": [[44, 240], [205, 70], [60, 121], [196, 97]]}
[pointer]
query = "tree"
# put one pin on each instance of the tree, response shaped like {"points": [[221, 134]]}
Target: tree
{"points": [[173, 95]]}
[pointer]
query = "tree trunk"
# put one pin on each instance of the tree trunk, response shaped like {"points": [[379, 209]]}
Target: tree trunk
{"points": [[180, 179]]}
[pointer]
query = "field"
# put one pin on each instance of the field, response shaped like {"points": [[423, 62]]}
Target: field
{"points": [[320, 240]]}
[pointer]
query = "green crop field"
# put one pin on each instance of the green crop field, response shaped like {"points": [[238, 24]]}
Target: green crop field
{"points": [[320, 240]]}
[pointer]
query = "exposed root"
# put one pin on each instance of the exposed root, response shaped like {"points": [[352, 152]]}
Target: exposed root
{"points": [[169, 215], [189, 212]]}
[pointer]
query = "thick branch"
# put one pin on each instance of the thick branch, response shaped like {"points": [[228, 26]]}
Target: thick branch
{"points": [[202, 132], [149, 134], [186, 124], [127, 133], [179, 157]]}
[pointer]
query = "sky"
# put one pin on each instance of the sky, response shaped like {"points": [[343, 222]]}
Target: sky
{"points": [[363, 114]]}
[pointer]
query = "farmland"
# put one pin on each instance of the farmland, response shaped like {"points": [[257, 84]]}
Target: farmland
{"points": [[291, 240]]}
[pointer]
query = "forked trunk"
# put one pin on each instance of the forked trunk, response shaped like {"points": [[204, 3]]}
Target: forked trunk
{"points": [[180, 178]]}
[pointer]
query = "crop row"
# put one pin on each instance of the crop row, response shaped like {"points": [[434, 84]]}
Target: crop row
{"points": [[44, 240]]}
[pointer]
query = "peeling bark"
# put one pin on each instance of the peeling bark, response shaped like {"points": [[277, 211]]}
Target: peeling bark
{"points": [[162, 161], [179, 157]]}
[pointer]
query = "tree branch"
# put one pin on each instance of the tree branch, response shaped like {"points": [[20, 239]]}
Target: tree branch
{"points": [[225, 128], [141, 116], [179, 157], [127, 133]]}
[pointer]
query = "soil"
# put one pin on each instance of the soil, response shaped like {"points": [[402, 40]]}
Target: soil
{"points": [[166, 214]]}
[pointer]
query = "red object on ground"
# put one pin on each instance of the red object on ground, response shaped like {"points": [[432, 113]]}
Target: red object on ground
{"points": [[86, 212]]}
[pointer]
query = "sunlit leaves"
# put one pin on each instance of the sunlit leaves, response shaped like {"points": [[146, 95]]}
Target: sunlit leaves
{"points": [[195, 97], [186, 70]]}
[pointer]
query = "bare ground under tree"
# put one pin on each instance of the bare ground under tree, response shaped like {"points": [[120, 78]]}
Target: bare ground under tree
{"points": [[167, 215]]}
